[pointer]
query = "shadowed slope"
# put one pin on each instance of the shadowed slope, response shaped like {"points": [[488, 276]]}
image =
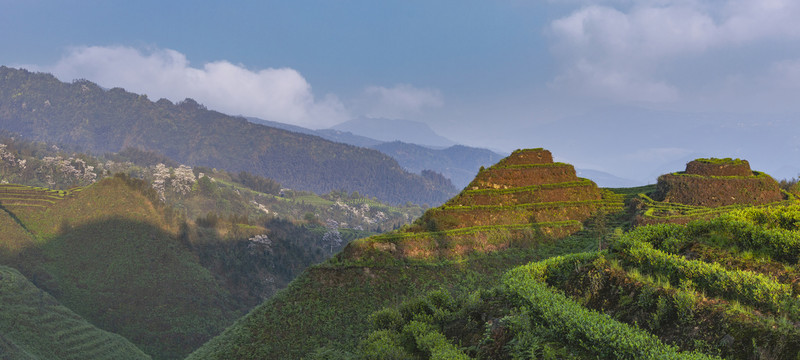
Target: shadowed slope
{"points": [[33, 325], [114, 257]]}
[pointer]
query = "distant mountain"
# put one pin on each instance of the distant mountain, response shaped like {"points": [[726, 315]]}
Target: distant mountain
{"points": [[344, 137], [348, 138], [458, 163], [413, 132], [605, 179], [40, 107]]}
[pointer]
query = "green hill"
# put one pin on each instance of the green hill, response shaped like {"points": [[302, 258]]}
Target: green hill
{"points": [[512, 204], [124, 260], [112, 256], [42, 108], [722, 288], [327, 307], [708, 188], [245, 232], [455, 286], [34, 325]]}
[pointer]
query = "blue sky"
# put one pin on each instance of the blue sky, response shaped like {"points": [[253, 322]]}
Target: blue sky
{"points": [[628, 87]]}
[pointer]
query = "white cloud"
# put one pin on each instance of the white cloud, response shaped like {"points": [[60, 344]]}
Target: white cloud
{"points": [[631, 51], [398, 102], [274, 94]]}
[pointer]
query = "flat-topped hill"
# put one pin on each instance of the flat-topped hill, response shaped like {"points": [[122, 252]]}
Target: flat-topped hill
{"points": [[719, 167], [519, 201], [718, 182]]}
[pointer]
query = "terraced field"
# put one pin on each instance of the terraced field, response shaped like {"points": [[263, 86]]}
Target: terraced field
{"points": [[708, 188], [12, 195], [521, 200], [26, 199], [718, 182], [724, 288], [659, 212], [36, 326]]}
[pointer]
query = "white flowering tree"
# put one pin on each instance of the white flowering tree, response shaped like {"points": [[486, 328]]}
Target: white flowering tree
{"points": [[9, 164], [332, 238], [160, 177], [66, 171], [183, 180]]}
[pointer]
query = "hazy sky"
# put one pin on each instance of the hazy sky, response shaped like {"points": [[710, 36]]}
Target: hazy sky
{"points": [[612, 85]]}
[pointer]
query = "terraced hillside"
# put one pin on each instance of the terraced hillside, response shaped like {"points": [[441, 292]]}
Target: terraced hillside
{"points": [[324, 313], [14, 198], [724, 288], [115, 257], [708, 188], [34, 325], [511, 204], [718, 182]]}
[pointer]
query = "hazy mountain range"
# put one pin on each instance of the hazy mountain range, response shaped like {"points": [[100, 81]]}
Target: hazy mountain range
{"points": [[40, 107]]}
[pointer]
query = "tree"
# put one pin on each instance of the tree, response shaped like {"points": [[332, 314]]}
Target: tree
{"points": [[332, 238]]}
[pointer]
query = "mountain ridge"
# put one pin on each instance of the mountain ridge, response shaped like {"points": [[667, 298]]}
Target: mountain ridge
{"points": [[456, 162], [40, 107]]}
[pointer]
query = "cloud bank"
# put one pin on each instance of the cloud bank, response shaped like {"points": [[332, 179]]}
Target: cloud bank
{"points": [[274, 94], [281, 94], [666, 51]]}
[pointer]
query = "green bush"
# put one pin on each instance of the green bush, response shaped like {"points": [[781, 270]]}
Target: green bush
{"points": [[596, 332]]}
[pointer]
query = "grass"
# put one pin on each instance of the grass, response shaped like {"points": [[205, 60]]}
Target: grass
{"points": [[721, 161]]}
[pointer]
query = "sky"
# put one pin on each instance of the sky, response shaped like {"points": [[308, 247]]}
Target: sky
{"points": [[633, 88]]}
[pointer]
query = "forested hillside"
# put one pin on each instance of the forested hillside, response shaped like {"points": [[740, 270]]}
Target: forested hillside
{"points": [[40, 107], [106, 236]]}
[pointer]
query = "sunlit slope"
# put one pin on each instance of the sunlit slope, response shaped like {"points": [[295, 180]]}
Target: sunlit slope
{"points": [[114, 256], [326, 310], [725, 288], [34, 325], [706, 189], [515, 203]]}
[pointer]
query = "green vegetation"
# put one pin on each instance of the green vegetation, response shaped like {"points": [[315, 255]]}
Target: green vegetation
{"points": [[115, 254], [449, 286], [528, 262], [631, 302], [40, 107], [651, 211], [328, 306], [723, 161], [34, 325]]}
